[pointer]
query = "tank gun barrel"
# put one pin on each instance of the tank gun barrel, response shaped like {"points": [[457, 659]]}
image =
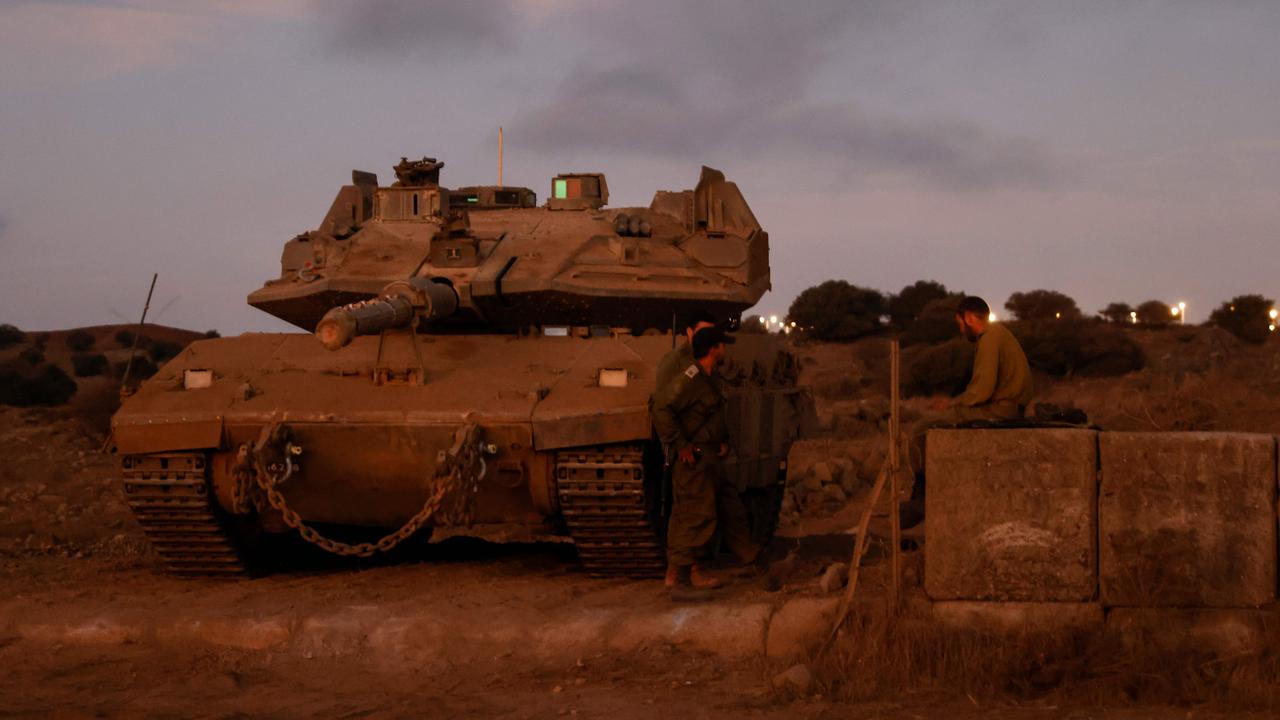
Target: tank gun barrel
{"points": [[397, 306]]}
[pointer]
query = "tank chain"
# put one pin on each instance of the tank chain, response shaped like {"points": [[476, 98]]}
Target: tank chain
{"points": [[169, 495], [604, 502], [458, 474]]}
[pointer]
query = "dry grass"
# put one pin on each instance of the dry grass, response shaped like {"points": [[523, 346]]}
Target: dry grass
{"points": [[880, 656]]}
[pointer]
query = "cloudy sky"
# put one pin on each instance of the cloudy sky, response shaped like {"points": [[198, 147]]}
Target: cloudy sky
{"points": [[1112, 151]]}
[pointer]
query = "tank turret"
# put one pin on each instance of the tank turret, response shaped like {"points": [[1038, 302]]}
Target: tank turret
{"points": [[514, 265]]}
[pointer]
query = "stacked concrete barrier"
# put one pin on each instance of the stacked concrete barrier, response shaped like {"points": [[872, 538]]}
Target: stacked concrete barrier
{"points": [[1011, 515], [1187, 530], [1159, 530]]}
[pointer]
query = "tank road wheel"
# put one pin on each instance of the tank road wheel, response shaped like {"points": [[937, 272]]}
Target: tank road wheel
{"points": [[608, 498], [170, 495]]}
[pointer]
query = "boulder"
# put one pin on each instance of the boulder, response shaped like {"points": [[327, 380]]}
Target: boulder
{"points": [[1187, 519], [1011, 515], [821, 471]]}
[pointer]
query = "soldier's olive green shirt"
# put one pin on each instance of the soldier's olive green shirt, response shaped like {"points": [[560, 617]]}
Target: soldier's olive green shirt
{"points": [[689, 410], [673, 363], [1000, 371]]}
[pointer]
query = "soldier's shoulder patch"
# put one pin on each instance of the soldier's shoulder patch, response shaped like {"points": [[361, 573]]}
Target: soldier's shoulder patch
{"points": [[691, 372]]}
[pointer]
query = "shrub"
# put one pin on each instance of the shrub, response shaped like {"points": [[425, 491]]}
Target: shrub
{"points": [[836, 310], [211, 334], [752, 325], [80, 341], [942, 369], [935, 323], [1079, 347], [124, 338], [42, 340], [1246, 316], [32, 355], [10, 336], [162, 350], [85, 365], [1117, 312], [907, 305], [49, 385], [144, 341], [1042, 305], [1154, 313]]}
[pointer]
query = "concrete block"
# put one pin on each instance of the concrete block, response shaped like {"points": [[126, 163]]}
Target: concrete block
{"points": [[1011, 515], [798, 625], [1187, 519], [1023, 618], [1170, 632]]}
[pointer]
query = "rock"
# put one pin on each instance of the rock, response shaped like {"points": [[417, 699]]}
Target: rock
{"points": [[834, 577], [798, 625], [811, 483], [796, 679], [1011, 515], [1187, 519], [821, 471], [834, 493]]}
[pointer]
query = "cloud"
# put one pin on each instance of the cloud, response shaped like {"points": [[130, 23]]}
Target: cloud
{"points": [[736, 78], [380, 28]]}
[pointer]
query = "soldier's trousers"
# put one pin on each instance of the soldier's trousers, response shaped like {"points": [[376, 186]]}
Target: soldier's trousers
{"points": [[702, 500]]}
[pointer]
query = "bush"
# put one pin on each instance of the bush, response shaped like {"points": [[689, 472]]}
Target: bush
{"points": [[935, 323], [1117, 313], [144, 341], [907, 305], [1154, 313], [942, 369], [32, 356], [141, 370], [1246, 316], [162, 351], [836, 310], [49, 385], [752, 325], [10, 336], [1079, 347], [80, 341], [211, 334], [42, 340], [124, 338], [85, 365], [1042, 305]]}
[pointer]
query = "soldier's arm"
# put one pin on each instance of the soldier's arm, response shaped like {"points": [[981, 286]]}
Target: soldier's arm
{"points": [[668, 404], [986, 364]]}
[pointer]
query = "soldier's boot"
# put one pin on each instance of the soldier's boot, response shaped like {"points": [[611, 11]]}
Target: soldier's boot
{"points": [[683, 590], [698, 577]]}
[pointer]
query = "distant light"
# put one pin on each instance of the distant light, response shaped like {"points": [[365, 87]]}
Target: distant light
{"points": [[1182, 306], [793, 322], [1272, 327], [1174, 311], [773, 319], [1057, 315], [1273, 313], [764, 321], [991, 317], [1133, 316]]}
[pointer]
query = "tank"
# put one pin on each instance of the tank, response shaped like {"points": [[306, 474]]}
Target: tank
{"points": [[472, 363]]}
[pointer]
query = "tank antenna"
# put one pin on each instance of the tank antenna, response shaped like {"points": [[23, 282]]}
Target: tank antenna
{"points": [[133, 349], [499, 155]]}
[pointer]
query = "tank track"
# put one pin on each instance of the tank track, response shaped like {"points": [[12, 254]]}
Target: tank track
{"points": [[604, 502], [169, 495]]}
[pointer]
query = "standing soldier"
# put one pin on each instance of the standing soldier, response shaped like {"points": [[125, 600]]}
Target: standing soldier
{"points": [[689, 413]]}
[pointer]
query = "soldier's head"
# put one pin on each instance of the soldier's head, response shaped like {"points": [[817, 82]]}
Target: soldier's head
{"points": [[708, 347], [691, 321], [971, 317]]}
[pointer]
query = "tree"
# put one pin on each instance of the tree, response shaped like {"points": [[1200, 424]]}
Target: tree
{"points": [[1248, 317], [752, 325], [124, 338], [86, 365], [162, 351], [907, 305], [1117, 312], [935, 323], [1154, 313], [1042, 305], [10, 336], [80, 340], [836, 310]]}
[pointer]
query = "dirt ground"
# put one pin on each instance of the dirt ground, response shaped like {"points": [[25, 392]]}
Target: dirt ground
{"points": [[69, 550]]}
